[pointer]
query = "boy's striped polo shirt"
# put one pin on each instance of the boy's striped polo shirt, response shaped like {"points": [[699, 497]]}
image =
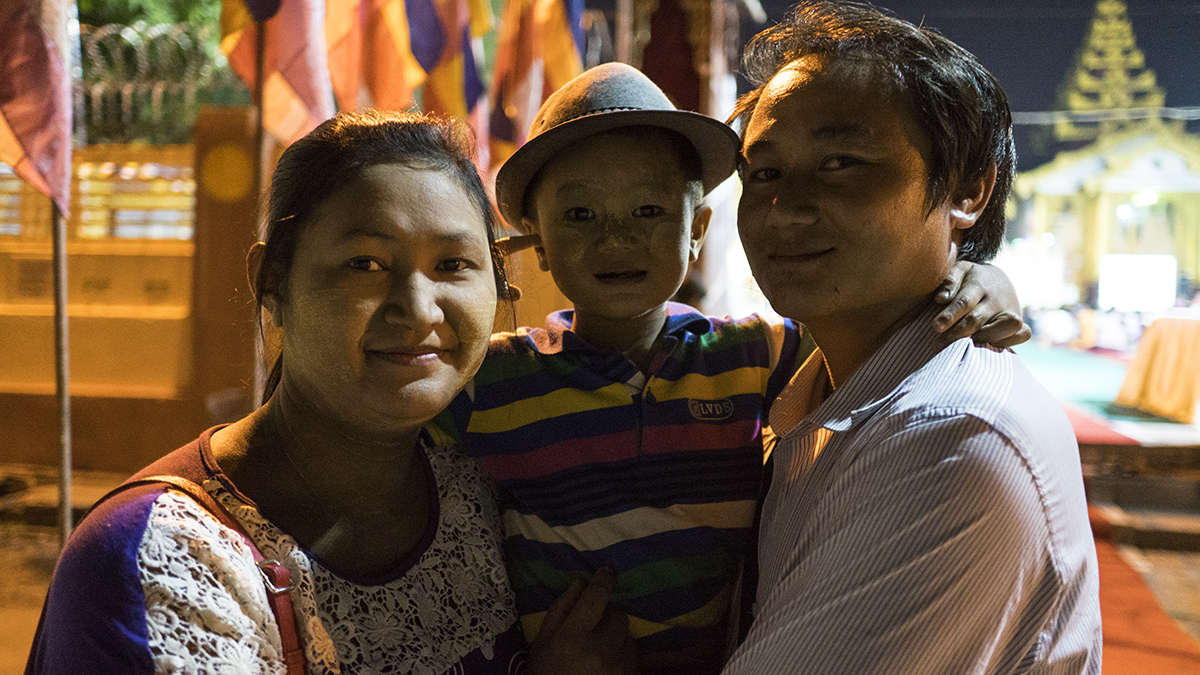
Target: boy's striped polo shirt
{"points": [[654, 475]]}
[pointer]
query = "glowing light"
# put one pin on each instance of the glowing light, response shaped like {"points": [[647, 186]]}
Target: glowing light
{"points": [[1145, 198], [1125, 212], [1048, 239], [1137, 283]]}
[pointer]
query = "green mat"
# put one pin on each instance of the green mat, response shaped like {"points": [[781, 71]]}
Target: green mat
{"points": [[1082, 378]]}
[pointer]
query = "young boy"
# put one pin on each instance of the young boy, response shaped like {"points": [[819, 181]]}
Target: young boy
{"points": [[628, 432]]}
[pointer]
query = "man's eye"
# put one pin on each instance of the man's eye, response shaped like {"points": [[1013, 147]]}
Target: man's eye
{"points": [[364, 264], [764, 175], [840, 162], [648, 211], [455, 265], [578, 213]]}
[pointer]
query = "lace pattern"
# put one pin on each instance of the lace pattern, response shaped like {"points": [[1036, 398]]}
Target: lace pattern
{"points": [[207, 609]]}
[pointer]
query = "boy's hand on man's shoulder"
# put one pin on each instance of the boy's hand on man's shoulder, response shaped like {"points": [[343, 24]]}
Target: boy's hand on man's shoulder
{"points": [[981, 302]]}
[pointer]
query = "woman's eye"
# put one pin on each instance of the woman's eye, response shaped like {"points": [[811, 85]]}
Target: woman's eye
{"points": [[455, 265], [578, 213], [648, 211], [365, 264]]}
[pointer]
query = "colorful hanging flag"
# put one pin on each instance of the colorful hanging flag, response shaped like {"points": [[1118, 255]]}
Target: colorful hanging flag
{"points": [[296, 94], [381, 50], [540, 50], [35, 96], [454, 86]]}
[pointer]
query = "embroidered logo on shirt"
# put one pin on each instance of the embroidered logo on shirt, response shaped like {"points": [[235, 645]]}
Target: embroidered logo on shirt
{"points": [[710, 411]]}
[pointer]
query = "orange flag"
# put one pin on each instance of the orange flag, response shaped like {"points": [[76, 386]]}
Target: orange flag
{"points": [[297, 95], [380, 50], [540, 50]]}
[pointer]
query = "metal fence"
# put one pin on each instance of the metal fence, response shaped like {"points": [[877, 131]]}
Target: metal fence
{"points": [[146, 83]]}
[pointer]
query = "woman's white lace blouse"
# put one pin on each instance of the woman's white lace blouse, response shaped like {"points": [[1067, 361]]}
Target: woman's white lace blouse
{"points": [[181, 592]]}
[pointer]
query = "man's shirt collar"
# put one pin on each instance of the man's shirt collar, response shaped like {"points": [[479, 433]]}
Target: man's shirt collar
{"points": [[800, 407]]}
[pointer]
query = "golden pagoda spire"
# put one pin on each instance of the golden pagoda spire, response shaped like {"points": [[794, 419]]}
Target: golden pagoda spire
{"points": [[1110, 73]]}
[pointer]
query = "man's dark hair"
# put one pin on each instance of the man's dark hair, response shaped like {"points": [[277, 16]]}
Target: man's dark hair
{"points": [[959, 106]]}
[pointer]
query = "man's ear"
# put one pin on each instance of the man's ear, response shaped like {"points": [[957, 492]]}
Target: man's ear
{"points": [[700, 221], [270, 280], [971, 198]]}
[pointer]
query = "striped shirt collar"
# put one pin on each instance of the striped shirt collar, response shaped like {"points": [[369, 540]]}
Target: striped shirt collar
{"points": [[799, 407], [559, 337]]}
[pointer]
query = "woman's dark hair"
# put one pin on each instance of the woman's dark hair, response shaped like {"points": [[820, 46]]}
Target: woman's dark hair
{"points": [[959, 106], [334, 155]]}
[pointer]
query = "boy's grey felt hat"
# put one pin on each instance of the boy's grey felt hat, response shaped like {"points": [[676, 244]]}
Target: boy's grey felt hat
{"points": [[607, 97]]}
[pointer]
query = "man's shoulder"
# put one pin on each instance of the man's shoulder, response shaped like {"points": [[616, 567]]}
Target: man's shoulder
{"points": [[991, 385]]}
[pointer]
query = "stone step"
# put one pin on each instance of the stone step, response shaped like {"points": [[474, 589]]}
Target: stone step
{"points": [[34, 498], [1147, 528], [1177, 490]]}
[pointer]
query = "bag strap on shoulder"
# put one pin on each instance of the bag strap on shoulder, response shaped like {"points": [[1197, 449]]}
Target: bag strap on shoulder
{"points": [[276, 577]]}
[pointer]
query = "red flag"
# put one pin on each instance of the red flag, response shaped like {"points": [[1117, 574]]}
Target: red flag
{"points": [[297, 95], [35, 96]]}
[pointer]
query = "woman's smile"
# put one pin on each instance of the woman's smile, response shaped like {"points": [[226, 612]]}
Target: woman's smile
{"points": [[410, 356]]}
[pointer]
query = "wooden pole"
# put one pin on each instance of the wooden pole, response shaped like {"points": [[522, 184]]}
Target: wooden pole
{"points": [[623, 41], [260, 51], [260, 154], [62, 372]]}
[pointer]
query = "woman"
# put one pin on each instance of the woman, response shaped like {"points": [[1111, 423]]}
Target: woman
{"points": [[377, 269]]}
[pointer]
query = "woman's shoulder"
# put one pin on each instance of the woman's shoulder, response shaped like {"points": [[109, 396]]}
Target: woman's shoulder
{"points": [[192, 461], [112, 541], [107, 538], [95, 610]]}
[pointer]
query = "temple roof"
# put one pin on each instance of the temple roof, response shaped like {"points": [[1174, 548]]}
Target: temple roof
{"points": [[1166, 160]]}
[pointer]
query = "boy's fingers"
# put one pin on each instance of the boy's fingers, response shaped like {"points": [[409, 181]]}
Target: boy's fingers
{"points": [[510, 245], [952, 282], [1005, 331], [590, 606], [967, 324], [562, 607], [966, 304]]}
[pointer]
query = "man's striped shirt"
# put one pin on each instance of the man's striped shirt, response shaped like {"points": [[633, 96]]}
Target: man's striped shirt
{"points": [[927, 517]]}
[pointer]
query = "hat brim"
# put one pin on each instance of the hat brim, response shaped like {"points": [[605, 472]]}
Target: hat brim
{"points": [[715, 143]]}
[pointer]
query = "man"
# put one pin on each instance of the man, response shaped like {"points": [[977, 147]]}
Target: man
{"points": [[926, 512]]}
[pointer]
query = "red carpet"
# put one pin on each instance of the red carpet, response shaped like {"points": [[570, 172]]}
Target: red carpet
{"points": [[1139, 637], [1092, 429]]}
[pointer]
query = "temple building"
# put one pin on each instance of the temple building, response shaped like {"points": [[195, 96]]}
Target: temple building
{"points": [[1117, 212]]}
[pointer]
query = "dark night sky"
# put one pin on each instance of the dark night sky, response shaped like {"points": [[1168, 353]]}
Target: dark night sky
{"points": [[1030, 45]]}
